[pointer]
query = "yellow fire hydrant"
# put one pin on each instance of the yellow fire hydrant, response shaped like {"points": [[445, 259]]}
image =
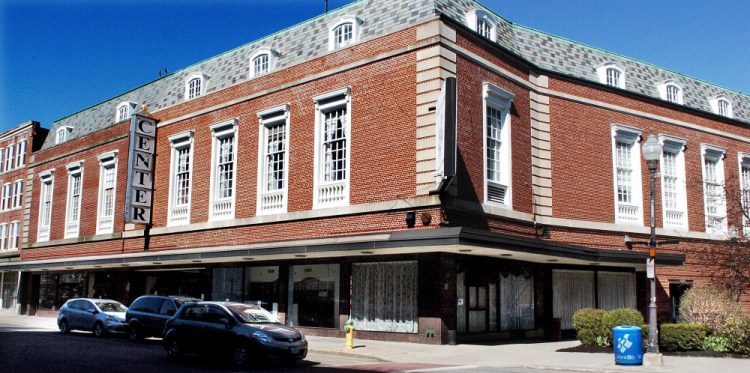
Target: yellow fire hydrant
{"points": [[349, 332]]}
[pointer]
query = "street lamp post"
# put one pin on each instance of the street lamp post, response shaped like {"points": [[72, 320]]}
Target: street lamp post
{"points": [[652, 150]]}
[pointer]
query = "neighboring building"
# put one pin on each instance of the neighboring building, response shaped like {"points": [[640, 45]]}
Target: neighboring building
{"points": [[16, 146], [426, 168]]}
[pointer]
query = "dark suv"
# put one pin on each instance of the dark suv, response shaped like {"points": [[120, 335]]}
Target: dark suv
{"points": [[148, 314], [242, 332]]}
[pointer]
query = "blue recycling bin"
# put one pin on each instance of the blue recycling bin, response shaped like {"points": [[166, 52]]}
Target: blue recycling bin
{"points": [[628, 344]]}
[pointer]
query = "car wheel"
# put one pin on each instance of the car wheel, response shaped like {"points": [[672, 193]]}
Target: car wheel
{"points": [[173, 348], [241, 355], [99, 330], [64, 327], [135, 334]]}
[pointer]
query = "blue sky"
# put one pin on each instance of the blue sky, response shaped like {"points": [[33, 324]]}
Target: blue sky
{"points": [[58, 57]]}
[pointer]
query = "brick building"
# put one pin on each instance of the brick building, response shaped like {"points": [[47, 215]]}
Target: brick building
{"points": [[425, 168]]}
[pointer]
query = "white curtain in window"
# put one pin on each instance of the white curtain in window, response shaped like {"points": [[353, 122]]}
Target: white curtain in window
{"points": [[516, 302], [571, 291], [384, 296], [616, 290]]}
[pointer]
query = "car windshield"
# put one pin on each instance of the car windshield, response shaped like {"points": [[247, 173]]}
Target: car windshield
{"points": [[252, 313], [110, 306]]}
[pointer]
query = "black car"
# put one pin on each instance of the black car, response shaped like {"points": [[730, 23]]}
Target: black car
{"points": [[148, 314], [242, 332]]}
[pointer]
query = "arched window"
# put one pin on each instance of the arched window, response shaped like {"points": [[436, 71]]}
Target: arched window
{"points": [[611, 74], [124, 110], [195, 86], [344, 32], [482, 22], [670, 91], [262, 62], [722, 106]]}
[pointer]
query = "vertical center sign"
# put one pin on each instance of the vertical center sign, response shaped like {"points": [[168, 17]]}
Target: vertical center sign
{"points": [[140, 187]]}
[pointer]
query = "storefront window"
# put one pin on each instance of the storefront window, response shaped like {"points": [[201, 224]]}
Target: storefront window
{"points": [[227, 284], [314, 295], [55, 290], [571, 291], [262, 287], [384, 296], [9, 283]]}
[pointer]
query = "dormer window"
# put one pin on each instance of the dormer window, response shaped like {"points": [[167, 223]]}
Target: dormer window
{"points": [[344, 32], [262, 62], [482, 22], [611, 75], [670, 91], [195, 86], [722, 106], [63, 134], [124, 111]]}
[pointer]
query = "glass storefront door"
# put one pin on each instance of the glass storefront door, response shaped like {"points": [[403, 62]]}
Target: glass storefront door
{"points": [[314, 295]]}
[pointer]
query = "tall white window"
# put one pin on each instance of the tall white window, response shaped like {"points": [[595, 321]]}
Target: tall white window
{"points": [[273, 160], [611, 74], [181, 178], [6, 197], [722, 106], [497, 146], [713, 188], [627, 175], [482, 22], [332, 139], [13, 231], [223, 166], [17, 193], [674, 196], [73, 208], [10, 156], [2, 160], [195, 86], [21, 154], [744, 160], [105, 221], [45, 204], [344, 32], [3, 237]]}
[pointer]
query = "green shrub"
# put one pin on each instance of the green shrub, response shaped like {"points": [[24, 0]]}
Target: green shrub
{"points": [[718, 344], [682, 337], [708, 305], [620, 316], [588, 325], [737, 331]]}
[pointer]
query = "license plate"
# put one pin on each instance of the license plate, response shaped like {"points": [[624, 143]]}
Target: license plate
{"points": [[294, 350]]}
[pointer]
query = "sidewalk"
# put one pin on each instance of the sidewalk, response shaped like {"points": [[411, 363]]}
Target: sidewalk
{"points": [[540, 356]]}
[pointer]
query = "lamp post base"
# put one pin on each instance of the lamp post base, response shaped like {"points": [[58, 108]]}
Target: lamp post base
{"points": [[651, 359]]}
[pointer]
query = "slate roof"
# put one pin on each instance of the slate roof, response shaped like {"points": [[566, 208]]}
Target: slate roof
{"points": [[309, 40]]}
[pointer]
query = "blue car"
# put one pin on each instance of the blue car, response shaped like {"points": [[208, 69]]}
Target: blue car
{"points": [[100, 316]]}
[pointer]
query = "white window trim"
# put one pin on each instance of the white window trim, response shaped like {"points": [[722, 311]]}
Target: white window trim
{"points": [[472, 20], [662, 88], [323, 103], [74, 169], [356, 31], [17, 199], [178, 142], [10, 157], [2, 160], [632, 135], [714, 102], [106, 160], [65, 131], [14, 227], [204, 85], [744, 159], [266, 119], [271, 53], [130, 110], [501, 100], [718, 154], [675, 145], [601, 72], [21, 153], [6, 196], [218, 131], [45, 177], [4, 231]]}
